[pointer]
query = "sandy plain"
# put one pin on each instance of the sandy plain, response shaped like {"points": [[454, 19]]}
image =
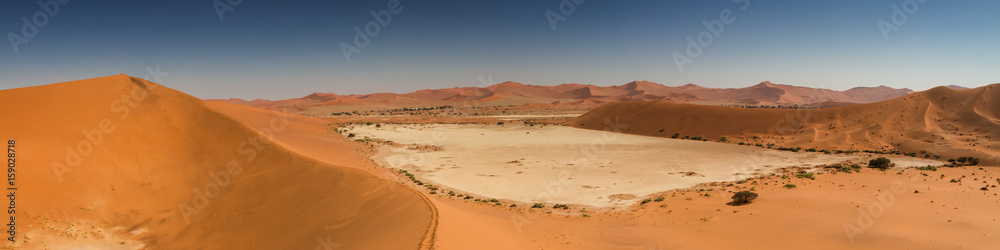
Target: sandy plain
{"points": [[566, 165]]}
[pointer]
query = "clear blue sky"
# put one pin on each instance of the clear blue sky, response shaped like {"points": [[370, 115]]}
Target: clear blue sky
{"points": [[286, 49]]}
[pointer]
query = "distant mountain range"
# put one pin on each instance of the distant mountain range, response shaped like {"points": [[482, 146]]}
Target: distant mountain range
{"points": [[513, 93]]}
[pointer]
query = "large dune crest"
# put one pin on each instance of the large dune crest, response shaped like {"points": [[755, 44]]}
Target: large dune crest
{"points": [[943, 121], [120, 162]]}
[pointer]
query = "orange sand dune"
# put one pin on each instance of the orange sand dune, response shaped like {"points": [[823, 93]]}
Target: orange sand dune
{"points": [[947, 122], [119, 162]]}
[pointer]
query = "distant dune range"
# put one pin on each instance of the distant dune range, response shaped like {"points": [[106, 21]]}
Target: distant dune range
{"points": [[122, 157], [512, 93], [948, 121]]}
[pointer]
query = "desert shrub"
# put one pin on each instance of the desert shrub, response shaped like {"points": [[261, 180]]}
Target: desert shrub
{"points": [[659, 199], [647, 200], [953, 181], [696, 138], [351, 135], [756, 137], [846, 169], [743, 197], [759, 145], [686, 137], [805, 175], [880, 163], [826, 151], [661, 130], [962, 160], [724, 139], [675, 135], [500, 123], [434, 192], [789, 185], [984, 189], [811, 150], [586, 215], [563, 206], [451, 193], [928, 167], [538, 205], [494, 200], [973, 161], [378, 125]]}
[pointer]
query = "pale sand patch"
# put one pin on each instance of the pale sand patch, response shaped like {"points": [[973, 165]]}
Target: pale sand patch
{"points": [[534, 116], [81, 235], [559, 164]]}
